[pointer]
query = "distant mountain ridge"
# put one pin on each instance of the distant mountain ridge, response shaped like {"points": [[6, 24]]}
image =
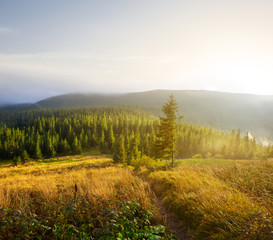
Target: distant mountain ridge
{"points": [[219, 110]]}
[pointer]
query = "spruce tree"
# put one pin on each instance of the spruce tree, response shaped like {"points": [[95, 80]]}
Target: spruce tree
{"points": [[76, 146], [66, 147], [119, 152], [237, 150], [102, 143], [166, 138], [37, 151], [49, 147], [24, 157], [246, 145], [111, 138], [133, 152]]}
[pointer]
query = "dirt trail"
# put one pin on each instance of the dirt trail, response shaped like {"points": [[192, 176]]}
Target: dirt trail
{"points": [[171, 221]]}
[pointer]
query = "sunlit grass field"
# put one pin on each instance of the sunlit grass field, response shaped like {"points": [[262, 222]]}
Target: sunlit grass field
{"points": [[79, 197], [220, 199], [215, 199], [94, 177]]}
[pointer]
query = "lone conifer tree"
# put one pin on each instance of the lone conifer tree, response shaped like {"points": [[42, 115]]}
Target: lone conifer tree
{"points": [[166, 138]]}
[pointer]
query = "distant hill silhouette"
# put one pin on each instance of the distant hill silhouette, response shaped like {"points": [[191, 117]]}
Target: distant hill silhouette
{"points": [[18, 106], [214, 109]]}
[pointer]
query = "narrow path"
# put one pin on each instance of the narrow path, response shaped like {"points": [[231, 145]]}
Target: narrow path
{"points": [[171, 221]]}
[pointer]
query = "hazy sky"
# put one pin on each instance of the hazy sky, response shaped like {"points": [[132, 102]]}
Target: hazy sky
{"points": [[59, 46]]}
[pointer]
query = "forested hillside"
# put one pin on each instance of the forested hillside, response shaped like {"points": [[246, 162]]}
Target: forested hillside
{"points": [[219, 110], [50, 132], [223, 111]]}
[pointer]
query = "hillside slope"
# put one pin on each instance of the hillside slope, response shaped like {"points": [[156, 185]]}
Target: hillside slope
{"points": [[214, 109]]}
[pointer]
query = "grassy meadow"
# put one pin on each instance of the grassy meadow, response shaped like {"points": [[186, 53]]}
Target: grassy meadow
{"points": [[219, 199], [79, 197], [90, 197]]}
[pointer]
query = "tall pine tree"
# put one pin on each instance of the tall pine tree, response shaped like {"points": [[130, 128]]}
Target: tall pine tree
{"points": [[166, 138]]}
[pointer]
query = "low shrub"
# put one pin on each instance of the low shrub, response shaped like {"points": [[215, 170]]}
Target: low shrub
{"points": [[79, 219], [145, 161]]}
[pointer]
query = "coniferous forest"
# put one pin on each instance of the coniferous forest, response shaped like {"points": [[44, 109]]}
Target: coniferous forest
{"points": [[124, 132]]}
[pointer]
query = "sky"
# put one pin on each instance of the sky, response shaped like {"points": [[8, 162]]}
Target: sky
{"points": [[54, 47]]}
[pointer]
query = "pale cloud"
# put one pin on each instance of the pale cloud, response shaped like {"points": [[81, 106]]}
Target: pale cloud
{"points": [[45, 74], [60, 72], [89, 70]]}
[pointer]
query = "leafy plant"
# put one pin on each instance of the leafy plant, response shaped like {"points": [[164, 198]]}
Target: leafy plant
{"points": [[128, 221], [79, 219]]}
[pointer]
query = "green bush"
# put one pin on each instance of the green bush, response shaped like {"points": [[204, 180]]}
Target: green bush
{"points": [[150, 163], [128, 221], [81, 219]]}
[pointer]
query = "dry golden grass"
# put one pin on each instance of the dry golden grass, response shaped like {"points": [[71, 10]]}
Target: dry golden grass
{"points": [[216, 199], [95, 177], [80, 197], [252, 177]]}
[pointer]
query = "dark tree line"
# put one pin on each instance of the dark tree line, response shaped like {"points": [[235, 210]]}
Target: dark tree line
{"points": [[126, 133]]}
